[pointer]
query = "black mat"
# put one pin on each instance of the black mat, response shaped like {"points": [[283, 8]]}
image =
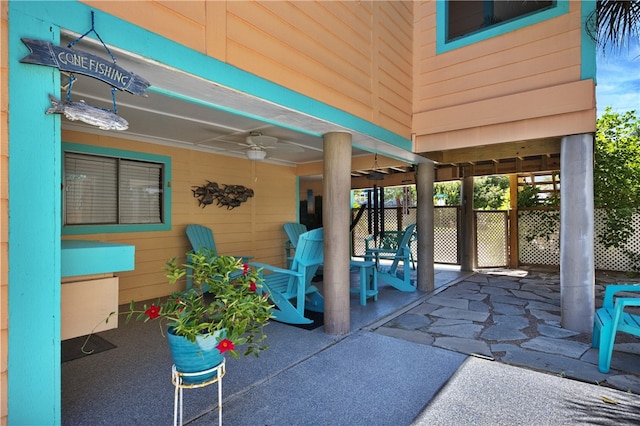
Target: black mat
{"points": [[317, 317], [73, 348]]}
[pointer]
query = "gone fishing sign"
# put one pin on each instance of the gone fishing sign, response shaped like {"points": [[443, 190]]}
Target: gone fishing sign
{"points": [[79, 62], [73, 61]]}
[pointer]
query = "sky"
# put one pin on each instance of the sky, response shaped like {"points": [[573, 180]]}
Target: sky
{"points": [[618, 79]]}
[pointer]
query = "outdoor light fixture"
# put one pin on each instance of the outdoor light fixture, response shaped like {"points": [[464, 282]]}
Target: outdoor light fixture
{"points": [[256, 154]]}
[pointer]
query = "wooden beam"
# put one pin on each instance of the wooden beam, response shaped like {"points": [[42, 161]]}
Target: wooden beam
{"points": [[496, 152]]}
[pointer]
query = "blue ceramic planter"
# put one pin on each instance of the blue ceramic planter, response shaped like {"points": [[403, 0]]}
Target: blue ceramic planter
{"points": [[193, 357]]}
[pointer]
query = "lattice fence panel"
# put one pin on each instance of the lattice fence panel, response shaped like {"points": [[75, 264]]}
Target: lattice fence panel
{"points": [[445, 238], [539, 241], [491, 238], [614, 259], [539, 237]]}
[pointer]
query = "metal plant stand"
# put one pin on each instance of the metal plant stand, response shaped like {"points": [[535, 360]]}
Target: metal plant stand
{"points": [[177, 380]]}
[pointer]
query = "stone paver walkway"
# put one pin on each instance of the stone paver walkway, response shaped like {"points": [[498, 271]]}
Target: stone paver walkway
{"points": [[513, 316]]}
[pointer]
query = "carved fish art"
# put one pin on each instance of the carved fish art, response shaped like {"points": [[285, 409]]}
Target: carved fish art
{"points": [[101, 118]]}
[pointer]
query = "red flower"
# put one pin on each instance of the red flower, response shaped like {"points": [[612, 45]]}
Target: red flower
{"points": [[153, 311], [225, 345], [253, 286], [245, 269]]}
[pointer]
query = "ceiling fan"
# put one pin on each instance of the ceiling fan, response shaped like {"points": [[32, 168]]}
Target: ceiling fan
{"points": [[257, 145]]}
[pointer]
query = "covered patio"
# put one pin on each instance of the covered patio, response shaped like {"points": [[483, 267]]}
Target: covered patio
{"points": [[392, 368]]}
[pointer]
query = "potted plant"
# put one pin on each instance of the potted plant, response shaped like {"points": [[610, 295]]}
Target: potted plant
{"points": [[223, 309]]}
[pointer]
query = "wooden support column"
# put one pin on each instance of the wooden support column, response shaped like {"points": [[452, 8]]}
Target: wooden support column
{"points": [[425, 212], [336, 210]]}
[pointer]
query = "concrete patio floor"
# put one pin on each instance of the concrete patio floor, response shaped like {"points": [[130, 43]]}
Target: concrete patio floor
{"points": [[405, 362]]}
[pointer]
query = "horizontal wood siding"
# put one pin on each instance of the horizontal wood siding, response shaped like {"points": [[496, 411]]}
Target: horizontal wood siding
{"points": [[394, 32], [254, 228], [454, 90], [355, 56]]}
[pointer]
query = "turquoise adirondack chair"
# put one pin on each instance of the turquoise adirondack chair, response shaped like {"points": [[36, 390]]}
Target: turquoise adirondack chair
{"points": [[201, 236], [290, 289], [390, 242], [612, 318], [392, 274], [293, 231]]}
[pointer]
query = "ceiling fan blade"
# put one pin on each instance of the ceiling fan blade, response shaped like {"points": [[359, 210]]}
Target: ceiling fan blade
{"points": [[285, 147], [262, 140]]}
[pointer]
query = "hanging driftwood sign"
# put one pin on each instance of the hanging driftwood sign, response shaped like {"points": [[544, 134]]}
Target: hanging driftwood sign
{"points": [[230, 196], [77, 61]]}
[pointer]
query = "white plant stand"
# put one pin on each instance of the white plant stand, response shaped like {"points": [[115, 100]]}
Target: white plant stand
{"points": [[177, 380]]}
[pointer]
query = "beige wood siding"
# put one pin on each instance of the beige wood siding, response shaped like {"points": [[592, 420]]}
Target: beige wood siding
{"points": [[356, 56], [254, 228], [516, 85]]}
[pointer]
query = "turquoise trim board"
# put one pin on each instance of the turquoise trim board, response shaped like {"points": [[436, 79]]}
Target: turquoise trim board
{"points": [[111, 229], [588, 45], [85, 257], [34, 377], [442, 45]]}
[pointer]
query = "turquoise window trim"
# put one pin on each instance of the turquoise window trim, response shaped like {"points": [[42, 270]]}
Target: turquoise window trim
{"points": [[588, 44], [560, 8], [119, 153]]}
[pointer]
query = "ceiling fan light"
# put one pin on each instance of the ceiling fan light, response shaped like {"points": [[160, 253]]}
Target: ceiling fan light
{"points": [[256, 154]]}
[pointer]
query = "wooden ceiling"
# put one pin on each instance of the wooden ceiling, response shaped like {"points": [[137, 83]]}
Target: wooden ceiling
{"points": [[532, 156]]}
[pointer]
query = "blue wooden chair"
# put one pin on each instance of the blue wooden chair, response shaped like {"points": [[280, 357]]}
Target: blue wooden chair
{"points": [[290, 289], [293, 231], [201, 236], [392, 274], [612, 318]]}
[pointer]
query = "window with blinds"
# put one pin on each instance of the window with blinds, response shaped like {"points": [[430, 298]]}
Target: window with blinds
{"points": [[101, 190]]}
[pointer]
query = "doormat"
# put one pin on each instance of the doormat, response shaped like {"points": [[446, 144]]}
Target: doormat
{"points": [[316, 317], [72, 348]]}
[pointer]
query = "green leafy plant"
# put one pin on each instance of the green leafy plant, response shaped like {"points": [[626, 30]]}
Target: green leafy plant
{"points": [[225, 295], [616, 177]]}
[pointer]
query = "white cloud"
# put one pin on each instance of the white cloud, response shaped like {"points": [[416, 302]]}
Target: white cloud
{"points": [[618, 79]]}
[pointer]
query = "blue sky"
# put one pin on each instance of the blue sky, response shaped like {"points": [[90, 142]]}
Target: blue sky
{"points": [[618, 78]]}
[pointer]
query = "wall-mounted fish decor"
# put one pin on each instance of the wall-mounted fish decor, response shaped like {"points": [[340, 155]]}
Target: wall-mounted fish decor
{"points": [[230, 196]]}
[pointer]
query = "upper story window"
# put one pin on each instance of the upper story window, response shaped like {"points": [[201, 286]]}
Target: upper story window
{"points": [[468, 17], [113, 193]]}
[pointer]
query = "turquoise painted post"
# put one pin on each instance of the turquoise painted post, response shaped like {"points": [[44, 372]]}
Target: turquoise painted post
{"points": [[588, 45], [34, 377]]}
